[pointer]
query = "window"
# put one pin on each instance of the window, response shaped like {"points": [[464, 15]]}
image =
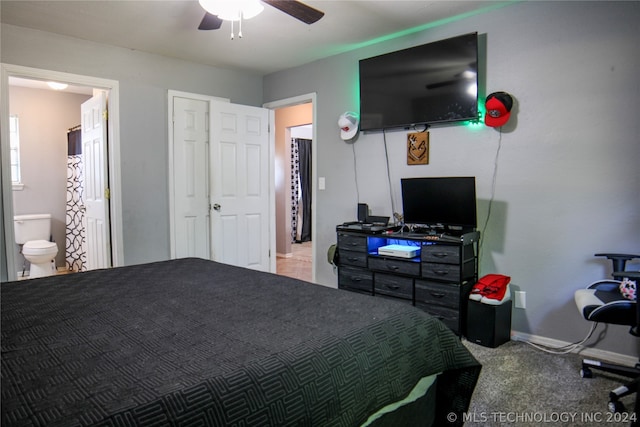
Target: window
{"points": [[14, 150]]}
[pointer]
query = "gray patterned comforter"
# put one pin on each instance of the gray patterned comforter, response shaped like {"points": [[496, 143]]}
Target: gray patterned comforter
{"points": [[194, 342]]}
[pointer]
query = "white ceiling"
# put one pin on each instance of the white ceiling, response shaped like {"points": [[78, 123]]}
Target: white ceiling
{"points": [[272, 41]]}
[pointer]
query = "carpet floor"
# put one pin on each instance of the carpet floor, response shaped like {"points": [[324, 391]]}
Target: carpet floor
{"points": [[522, 386]]}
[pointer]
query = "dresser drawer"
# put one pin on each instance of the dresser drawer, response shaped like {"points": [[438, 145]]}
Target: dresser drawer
{"points": [[394, 286], [440, 294], [352, 242], [448, 272], [441, 254], [408, 302], [448, 316], [395, 266], [355, 279], [357, 259]]}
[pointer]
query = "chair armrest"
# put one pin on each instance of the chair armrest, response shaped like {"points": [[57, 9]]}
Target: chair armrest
{"points": [[619, 260], [610, 255], [628, 274]]}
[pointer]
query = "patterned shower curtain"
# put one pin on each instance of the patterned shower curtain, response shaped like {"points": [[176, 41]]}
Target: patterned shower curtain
{"points": [[76, 257], [300, 190], [295, 189]]}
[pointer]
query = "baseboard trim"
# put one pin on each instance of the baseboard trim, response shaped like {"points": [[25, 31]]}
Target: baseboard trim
{"points": [[287, 255], [583, 351]]}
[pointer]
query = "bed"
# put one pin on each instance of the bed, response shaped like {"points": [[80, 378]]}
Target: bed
{"points": [[199, 343]]}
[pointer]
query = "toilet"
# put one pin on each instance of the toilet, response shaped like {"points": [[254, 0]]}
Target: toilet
{"points": [[32, 232]]}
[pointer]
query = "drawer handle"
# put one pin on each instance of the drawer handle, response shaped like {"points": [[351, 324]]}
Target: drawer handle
{"points": [[393, 287], [356, 279], [352, 259], [392, 267], [441, 272], [438, 294], [354, 244], [440, 254]]}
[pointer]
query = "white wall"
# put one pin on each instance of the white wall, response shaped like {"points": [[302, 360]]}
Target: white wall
{"points": [[304, 131], [567, 174]]}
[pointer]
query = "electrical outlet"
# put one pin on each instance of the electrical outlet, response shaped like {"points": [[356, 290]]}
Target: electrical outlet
{"points": [[520, 299]]}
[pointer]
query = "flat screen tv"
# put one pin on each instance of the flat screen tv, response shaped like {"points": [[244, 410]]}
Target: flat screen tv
{"points": [[433, 83], [442, 202]]}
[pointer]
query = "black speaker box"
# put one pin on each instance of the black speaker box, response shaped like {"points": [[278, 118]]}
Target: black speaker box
{"points": [[489, 325], [363, 212]]}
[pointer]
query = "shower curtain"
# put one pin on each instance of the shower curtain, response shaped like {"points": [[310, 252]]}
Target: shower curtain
{"points": [[300, 190], [76, 257]]}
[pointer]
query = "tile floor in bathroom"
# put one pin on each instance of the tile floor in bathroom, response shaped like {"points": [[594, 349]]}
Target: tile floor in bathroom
{"points": [[59, 271]]}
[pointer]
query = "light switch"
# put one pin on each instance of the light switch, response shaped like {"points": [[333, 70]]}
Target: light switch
{"points": [[321, 183]]}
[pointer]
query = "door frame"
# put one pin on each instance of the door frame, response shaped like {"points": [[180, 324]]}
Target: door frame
{"points": [[290, 102], [113, 132], [171, 95]]}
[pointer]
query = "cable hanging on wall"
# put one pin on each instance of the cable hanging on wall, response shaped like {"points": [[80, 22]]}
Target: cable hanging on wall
{"points": [[386, 155], [494, 179]]}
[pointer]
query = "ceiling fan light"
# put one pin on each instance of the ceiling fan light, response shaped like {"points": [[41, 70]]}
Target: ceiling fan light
{"points": [[251, 8], [232, 10]]}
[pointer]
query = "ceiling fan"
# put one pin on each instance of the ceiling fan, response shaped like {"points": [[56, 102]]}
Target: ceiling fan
{"points": [[294, 8]]}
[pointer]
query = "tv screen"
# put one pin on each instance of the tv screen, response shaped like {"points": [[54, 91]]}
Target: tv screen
{"points": [[428, 84], [443, 201]]}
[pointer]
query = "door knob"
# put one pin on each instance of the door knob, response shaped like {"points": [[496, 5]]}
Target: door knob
{"points": [[216, 207]]}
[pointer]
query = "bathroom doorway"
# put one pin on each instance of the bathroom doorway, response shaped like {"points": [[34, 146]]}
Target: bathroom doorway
{"points": [[43, 188]]}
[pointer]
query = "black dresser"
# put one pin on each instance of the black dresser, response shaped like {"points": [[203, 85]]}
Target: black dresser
{"points": [[436, 279]]}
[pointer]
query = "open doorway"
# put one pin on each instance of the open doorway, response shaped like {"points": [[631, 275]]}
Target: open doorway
{"points": [[38, 77], [47, 176], [297, 261], [295, 232]]}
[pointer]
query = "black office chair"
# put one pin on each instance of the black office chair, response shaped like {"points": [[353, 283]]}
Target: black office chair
{"points": [[603, 302]]}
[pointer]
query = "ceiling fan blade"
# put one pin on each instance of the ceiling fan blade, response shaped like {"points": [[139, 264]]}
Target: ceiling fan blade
{"points": [[210, 22], [298, 10]]}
